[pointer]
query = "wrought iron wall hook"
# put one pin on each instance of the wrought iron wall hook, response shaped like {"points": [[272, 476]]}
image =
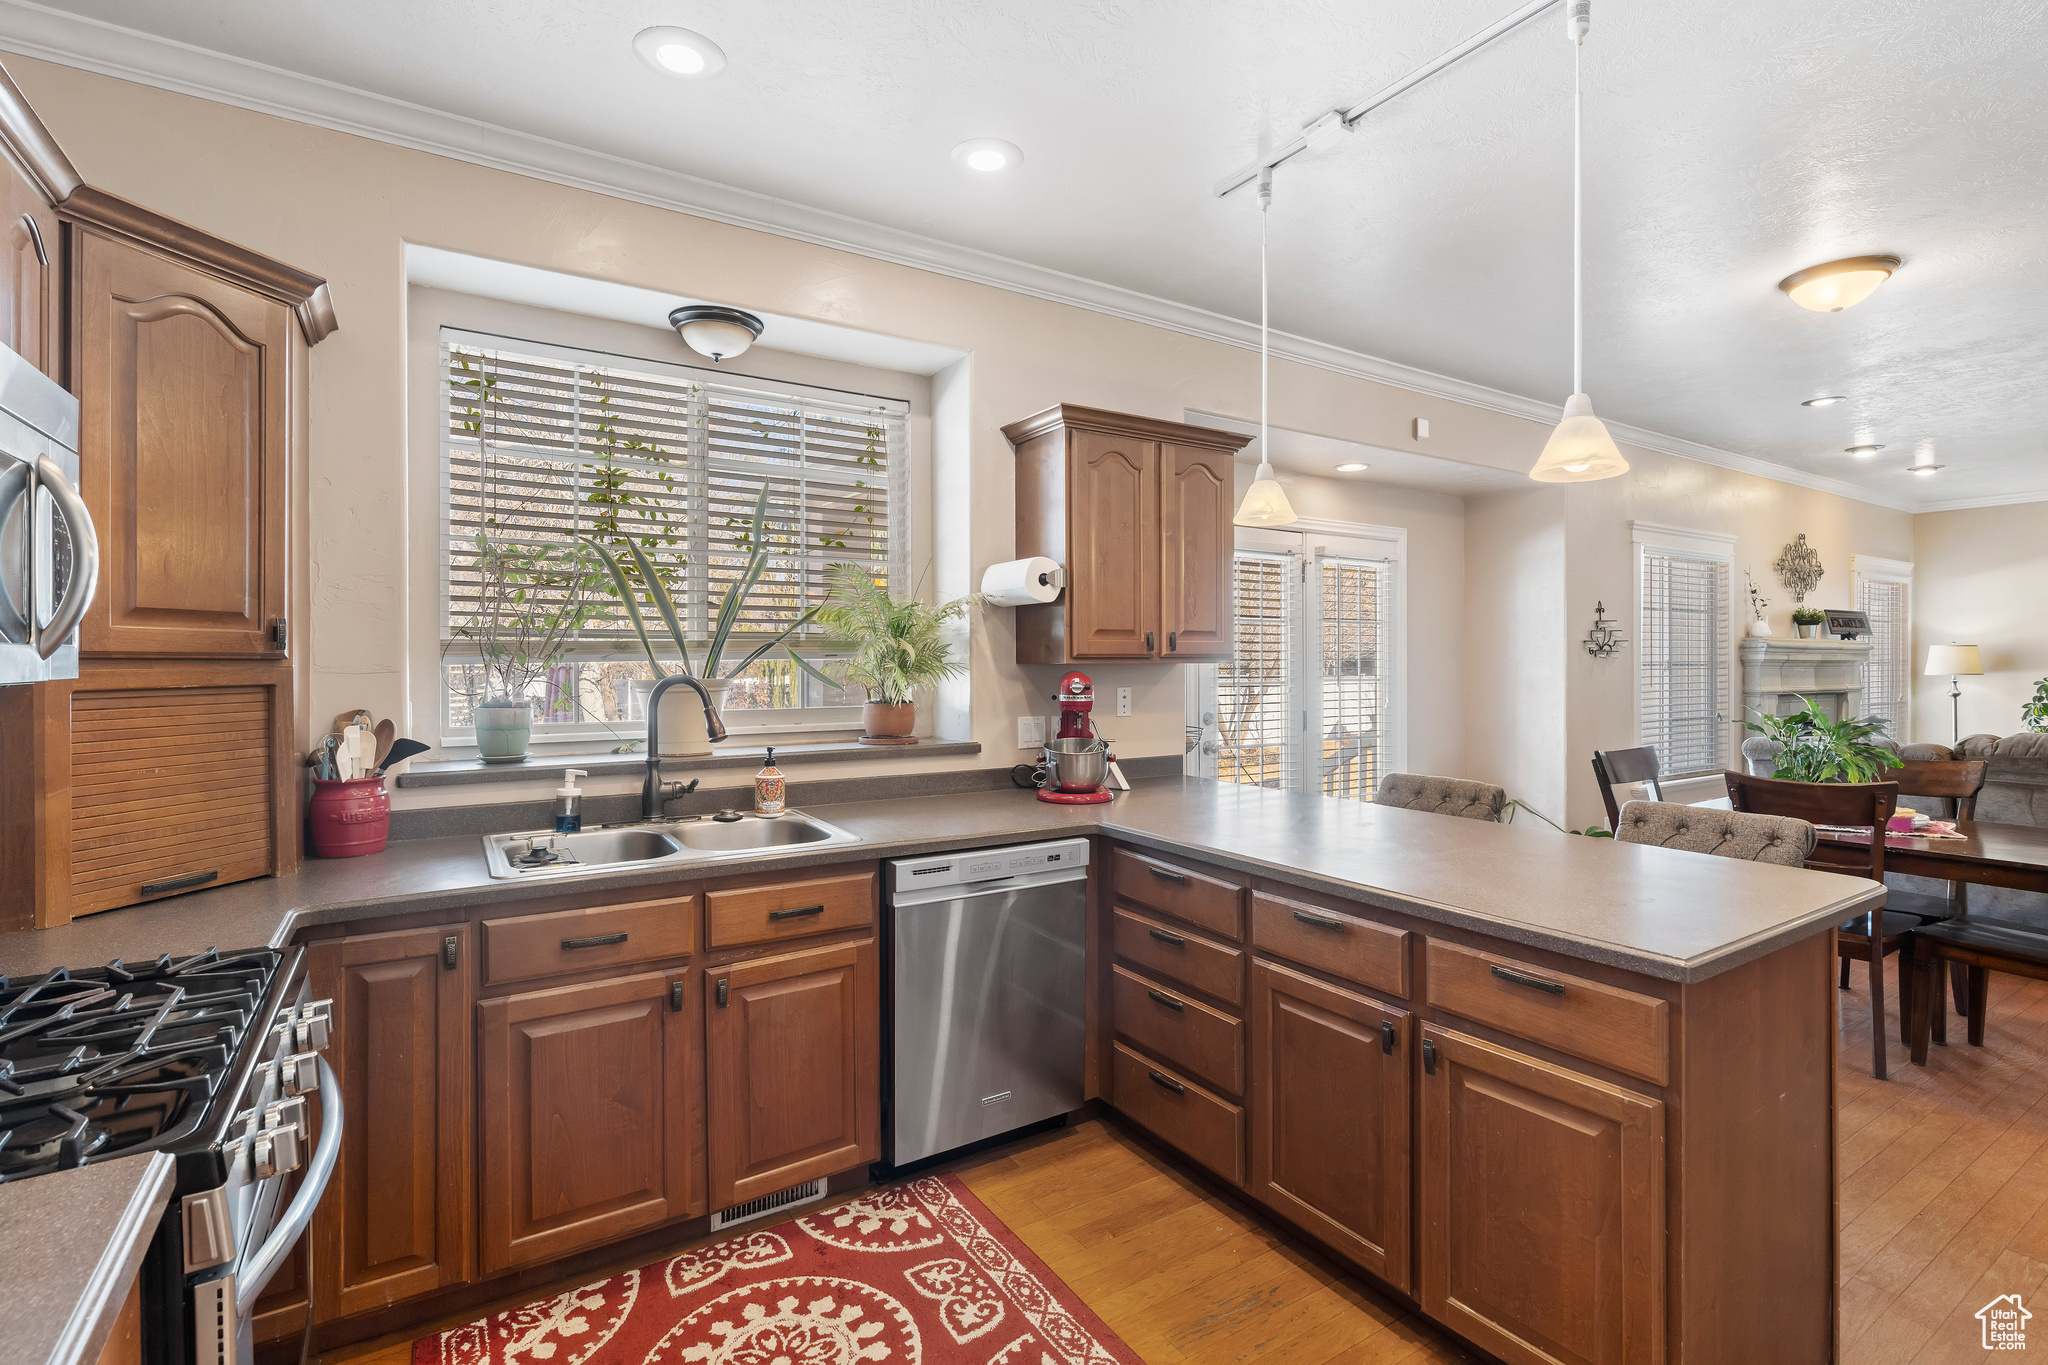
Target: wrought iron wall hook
{"points": [[1605, 640]]}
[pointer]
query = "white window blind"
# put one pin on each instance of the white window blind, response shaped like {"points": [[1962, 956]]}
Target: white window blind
{"points": [[1682, 651], [1256, 718], [1351, 623], [1887, 677], [543, 444]]}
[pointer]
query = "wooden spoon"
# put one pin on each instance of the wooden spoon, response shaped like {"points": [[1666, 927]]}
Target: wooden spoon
{"points": [[386, 732]]}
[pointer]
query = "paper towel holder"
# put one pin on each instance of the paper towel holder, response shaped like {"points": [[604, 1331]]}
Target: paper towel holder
{"points": [[1054, 577]]}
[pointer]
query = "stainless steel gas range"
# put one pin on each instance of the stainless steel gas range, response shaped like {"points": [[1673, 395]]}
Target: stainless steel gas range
{"points": [[214, 1059]]}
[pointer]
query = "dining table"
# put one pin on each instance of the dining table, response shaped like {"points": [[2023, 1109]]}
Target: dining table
{"points": [[1986, 854]]}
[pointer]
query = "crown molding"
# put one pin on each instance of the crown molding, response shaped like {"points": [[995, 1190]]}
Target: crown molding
{"points": [[1965, 504], [145, 59]]}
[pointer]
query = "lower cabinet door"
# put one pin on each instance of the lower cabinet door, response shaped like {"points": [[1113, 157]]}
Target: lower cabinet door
{"points": [[589, 1108], [1542, 1207], [1330, 1115], [397, 1219], [794, 1050]]}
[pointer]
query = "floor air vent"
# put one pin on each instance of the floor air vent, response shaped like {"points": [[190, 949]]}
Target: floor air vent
{"points": [[810, 1192]]}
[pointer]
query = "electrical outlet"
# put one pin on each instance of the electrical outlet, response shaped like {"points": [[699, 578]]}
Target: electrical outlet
{"points": [[1031, 732], [1422, 428], [1123, 701]]}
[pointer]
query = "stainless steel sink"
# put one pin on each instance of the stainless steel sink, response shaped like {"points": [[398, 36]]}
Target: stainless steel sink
{"points": [[654, 843]]}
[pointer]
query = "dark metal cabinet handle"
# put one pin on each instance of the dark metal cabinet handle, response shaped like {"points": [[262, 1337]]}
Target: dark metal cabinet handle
{"points": [[1163, 998], [451, 948], [1168, 875], [796, 914], [1174, 939], [1175, 1086], [721, 993], [1524, 979], [594, 941], [280, 633], [185, 883], [675, 996], [1386, 1037], [1319, 921], [1148, 642], [1172, 641], [1428, 1057]]}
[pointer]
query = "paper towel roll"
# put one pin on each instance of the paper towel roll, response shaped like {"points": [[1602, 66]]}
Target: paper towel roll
{"points": [[1023, 582]]}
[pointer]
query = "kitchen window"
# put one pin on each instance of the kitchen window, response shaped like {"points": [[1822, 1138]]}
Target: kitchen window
{"points": [[1684, 649], [542, 444]]}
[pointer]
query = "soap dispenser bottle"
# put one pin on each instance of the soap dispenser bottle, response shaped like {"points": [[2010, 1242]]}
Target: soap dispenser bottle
{"points": [[569, 803], [768, 787]]}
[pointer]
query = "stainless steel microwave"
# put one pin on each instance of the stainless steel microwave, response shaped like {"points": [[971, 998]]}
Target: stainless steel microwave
{"points": [[49, 554]]}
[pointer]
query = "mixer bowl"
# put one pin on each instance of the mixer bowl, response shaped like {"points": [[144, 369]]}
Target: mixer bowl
{"points": [[1078, 765]]}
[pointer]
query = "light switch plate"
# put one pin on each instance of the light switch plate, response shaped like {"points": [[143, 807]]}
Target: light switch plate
{"points": [[1030, 732], [1123, 701], [1422, 428]]}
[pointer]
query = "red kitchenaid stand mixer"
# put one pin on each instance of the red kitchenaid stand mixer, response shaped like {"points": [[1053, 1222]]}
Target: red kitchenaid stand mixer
{"points": [[1078, 759]]}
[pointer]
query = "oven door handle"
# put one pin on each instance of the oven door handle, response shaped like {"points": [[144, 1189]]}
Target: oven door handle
{"points": [[85, 560], [251, 1279]]}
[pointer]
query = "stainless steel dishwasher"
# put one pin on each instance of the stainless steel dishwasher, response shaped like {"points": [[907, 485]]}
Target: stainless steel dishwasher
{"points": [[988, 984]]}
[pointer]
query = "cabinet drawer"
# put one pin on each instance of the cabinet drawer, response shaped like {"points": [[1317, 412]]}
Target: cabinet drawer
{"points": [[1600, 1023], [1180, 1112], [568, 941], [1171, 951], [768, 914], [1343, 945], [1180, 1029], [1197, 897]]}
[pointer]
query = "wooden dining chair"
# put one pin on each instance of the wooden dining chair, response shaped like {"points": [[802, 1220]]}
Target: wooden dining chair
{"points": [[1959, 781], [1870, 938], [1617, 768], [1980, 946]]}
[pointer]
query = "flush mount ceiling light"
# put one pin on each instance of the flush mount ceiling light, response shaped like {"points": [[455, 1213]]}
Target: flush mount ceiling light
{"points": [[1826, 401], [1839, 284], [988, 154], [1353, 468], [679, 52], [1579, 450], [720, 333], [1265, 502], [1862, 452], [1924, 464]]}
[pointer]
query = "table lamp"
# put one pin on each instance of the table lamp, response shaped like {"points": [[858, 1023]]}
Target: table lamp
{"points": [[1958, 661]]}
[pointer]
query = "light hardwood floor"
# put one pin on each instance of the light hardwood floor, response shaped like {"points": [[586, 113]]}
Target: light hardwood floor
{"points": [[1944, 1205]]}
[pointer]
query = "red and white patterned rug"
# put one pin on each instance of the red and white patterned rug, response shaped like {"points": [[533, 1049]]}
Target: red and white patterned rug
{"points": [[913, 1274]]}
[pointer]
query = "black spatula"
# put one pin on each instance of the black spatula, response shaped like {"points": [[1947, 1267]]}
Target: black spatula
{"points": [[401, 750]]}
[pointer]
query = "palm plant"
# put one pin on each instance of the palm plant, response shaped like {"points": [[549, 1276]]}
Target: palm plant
{"points": [[898, 643], [1816, 749], [729, 609]]}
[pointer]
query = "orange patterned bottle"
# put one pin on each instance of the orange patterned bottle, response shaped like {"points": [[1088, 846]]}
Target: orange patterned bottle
{"points": [[768, 787]]}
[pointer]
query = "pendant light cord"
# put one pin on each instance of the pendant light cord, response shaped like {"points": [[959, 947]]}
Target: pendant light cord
{"points": [[1578, 239], [1265, 202]]}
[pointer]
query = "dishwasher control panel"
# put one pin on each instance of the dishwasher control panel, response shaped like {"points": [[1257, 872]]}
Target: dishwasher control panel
{"points": [[986, 864]]}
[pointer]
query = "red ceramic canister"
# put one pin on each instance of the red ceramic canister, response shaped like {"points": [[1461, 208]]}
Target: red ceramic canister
{"points": [[349, 819]]}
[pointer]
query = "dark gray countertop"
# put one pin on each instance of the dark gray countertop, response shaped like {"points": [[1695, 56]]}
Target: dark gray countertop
{"points": [[70, 1244], [1661, 912]]}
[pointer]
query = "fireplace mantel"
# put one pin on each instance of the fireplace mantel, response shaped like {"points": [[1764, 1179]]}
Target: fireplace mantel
{"points": [[1776, 674]]}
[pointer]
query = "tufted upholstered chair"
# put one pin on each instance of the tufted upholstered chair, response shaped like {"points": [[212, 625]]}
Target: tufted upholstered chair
{"points": [[1723, 833], [1442, 796]]}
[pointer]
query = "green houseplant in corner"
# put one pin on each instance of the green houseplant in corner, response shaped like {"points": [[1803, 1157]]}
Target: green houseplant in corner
{"points": [[2034, 714], [1816, 749], [898, 646]]}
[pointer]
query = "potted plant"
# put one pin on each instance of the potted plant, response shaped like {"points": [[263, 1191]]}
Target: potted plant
{"points": [[531, 601], [1809, 620], [1813, 748], [2034, 714], [1759, 623], [898, 646], [682, 724]]}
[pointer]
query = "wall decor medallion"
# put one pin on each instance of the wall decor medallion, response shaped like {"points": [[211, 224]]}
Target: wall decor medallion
{"points": [[1604, 641], [1799, 568]]}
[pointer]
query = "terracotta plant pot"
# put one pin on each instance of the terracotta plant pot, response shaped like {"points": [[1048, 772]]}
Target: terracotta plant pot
{"points": [[889, 722]]}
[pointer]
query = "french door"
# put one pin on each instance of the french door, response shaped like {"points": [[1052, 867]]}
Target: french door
{"points": [[1309, 698]]}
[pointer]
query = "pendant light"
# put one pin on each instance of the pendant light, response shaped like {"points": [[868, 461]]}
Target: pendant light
{"points": [[1579, 450], [1265, 502]]}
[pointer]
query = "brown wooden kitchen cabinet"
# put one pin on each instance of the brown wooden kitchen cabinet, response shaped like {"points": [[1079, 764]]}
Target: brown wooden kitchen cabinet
{"points": [[1542, 1205], [398, 1216], [1330, 1115], [1138, 511], [590, 1114], [793, 1050], [35, 176]]}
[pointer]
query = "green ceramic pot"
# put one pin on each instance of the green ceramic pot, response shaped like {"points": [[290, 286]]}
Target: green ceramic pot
{"points": [[502, 729]]}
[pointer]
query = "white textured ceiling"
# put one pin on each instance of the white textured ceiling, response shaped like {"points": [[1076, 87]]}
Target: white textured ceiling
{"points": [[1727, 146]]}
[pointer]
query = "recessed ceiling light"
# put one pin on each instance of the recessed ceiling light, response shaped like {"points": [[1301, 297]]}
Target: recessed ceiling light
{"points": [[1828, 400], [1862, 452], [1924, 462], [988, 154], [1837, 285], [679, 52], [1353, 468], [1922, 468]]}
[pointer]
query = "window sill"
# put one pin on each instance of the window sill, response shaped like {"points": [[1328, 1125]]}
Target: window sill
{"points": [[550, 762]]}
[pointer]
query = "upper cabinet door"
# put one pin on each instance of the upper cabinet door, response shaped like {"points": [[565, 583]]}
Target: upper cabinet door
{"points": [[29, 278], [1113, 570], [1195, 545], [184, 382]]}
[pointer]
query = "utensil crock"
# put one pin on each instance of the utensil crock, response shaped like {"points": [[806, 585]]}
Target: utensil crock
{"points": [[349, 819]]}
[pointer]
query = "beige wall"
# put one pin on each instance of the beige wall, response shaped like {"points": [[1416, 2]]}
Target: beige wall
{"points": [[1515, 622], [1980, 577]]}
